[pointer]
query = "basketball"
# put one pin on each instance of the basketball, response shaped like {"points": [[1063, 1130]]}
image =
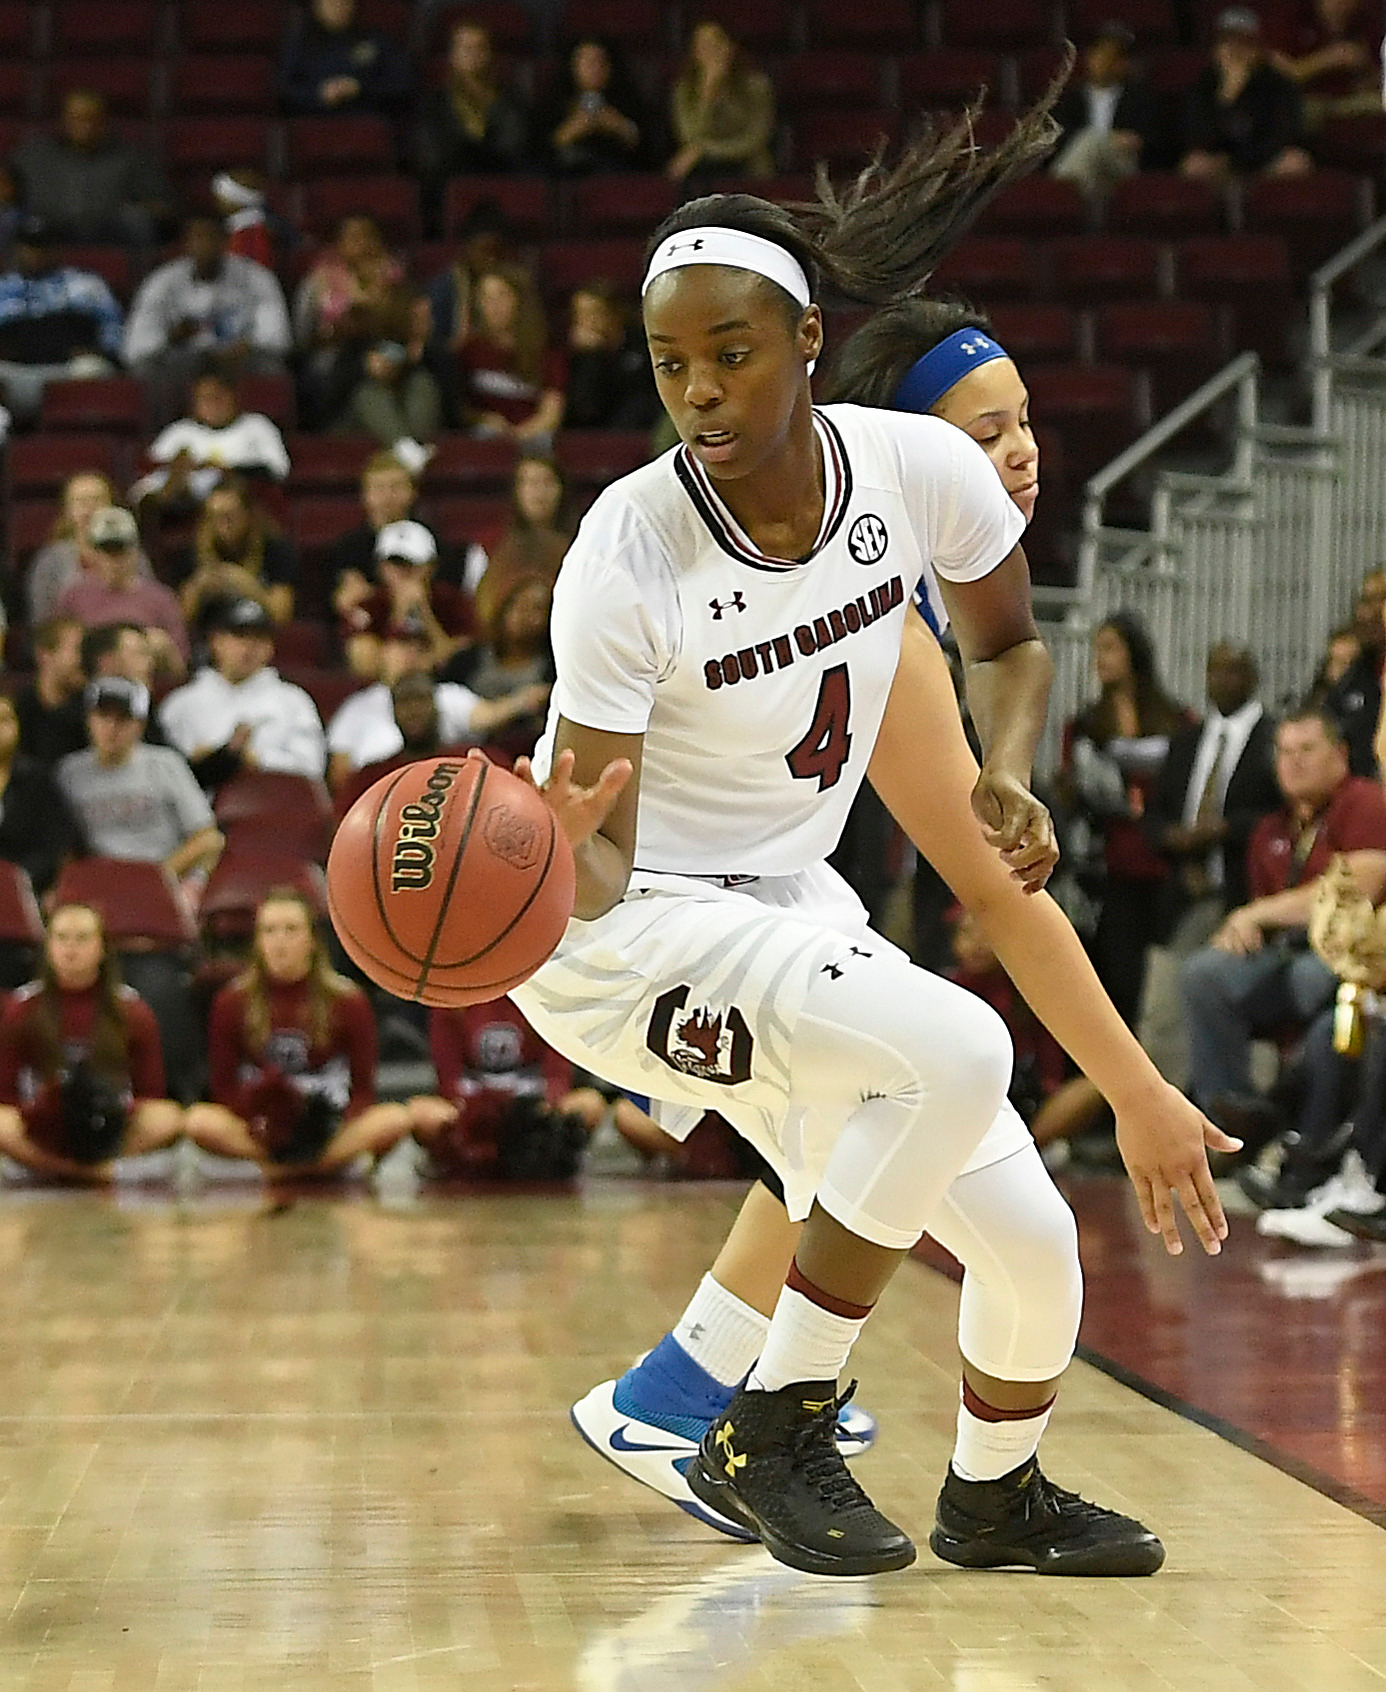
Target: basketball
{"points": [[449, 881]]}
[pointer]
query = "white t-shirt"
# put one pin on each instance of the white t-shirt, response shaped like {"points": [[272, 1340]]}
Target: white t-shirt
{"points": [[285, 729], [759, 685], [364, 725], [247, 440]]}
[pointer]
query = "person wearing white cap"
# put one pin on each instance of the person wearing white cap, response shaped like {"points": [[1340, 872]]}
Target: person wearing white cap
{"points": [[406, 557], [1242, 117]]}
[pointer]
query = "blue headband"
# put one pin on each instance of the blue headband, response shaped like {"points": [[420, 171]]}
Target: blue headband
{"points": [[929, 378]]}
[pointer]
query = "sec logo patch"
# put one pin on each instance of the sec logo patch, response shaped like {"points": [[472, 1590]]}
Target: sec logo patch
{"points": [[867, 539]]}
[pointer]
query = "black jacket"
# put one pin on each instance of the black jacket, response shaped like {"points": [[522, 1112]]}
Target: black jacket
{"points": [[312, 55], [1265, 118], [1136, 110], [1252, 793], [1354, 701], [36, 828]]}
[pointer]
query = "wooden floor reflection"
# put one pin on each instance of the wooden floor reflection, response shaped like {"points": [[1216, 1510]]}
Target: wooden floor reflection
{"points": [[326, 1447]]}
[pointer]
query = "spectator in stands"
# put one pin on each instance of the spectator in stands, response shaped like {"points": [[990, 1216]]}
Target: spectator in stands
{"points": [[511, 382], [721, 111], [87, 185], [1109, 118], [1258, 973], [482, 243], [406, 556], [237, 552], [120, 649], [389, 494], [239, 194], [1242, 117], [515, 655], [136, 801], [1355, 699], [208, 304], [191, 455], [1114, 751], [50, 709], [1340, 653], [81, 1071], [239, 705], [57, 323], [330, 64], [68, 551], [470, 126], [113, 591], [36, 829], [12, 212], [537, 540], [1331, 51], [610, 384], [596, 120], [364, 730]]}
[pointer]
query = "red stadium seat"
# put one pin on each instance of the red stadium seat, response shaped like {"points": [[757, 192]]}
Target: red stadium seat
{"points": [[1036, 205], [139, 902], [328, 688], [124, 84], [1177, 341], [511, 27], [1004, 26], [289, 812], [17, 18], [524, 202], [330, 146], [949, 76], [389, 17], [211, 26], [765, 26], [565, 265], [393, 201], [635, 26], [273, 395], [241, 880], [826, 80], [476, 518], [30, 524], [1317, 214], [42, 463], [15, 81], [1353, 143], [20, 921], [1150, 21], [1036, 334], [111, 264], [1087, 268], [328, 461], [1166, 205], [881, 26], [222, 82], [991, 267], [104, 402], [842, 140], [204, 145], [622, 204], [91, 26], [1250, 273], [1036, 69], [1095, 407], [317, 522], [599, 456], [1174, 70], [303, 641], [463, 463]]}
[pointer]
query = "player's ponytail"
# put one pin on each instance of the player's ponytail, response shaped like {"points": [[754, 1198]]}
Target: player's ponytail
{"points": [[878, 240], [872, 362]]}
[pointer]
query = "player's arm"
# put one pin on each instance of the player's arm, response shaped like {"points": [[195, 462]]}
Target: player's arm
{"points": [[595, 790], [1008, 674], [1161, 1135]]}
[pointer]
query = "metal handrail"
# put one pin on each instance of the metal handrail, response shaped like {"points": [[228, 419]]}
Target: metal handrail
{"points": [[1321, 284], [1240, 374]]}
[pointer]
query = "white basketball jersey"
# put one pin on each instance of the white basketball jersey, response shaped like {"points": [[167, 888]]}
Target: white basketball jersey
{"points": [[759, 684]]}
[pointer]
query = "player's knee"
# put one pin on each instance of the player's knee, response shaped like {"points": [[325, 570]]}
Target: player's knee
{"points": [[978, 1050]]}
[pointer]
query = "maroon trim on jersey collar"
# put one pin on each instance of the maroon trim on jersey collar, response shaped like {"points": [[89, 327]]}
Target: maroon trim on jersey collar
{"points": [[727, 532]]}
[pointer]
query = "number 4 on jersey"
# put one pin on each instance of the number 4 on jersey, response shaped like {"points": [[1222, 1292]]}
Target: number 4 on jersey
{"points": [[828, 744]]}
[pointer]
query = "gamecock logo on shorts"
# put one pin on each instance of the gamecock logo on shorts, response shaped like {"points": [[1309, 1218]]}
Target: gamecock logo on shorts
{"points": [[513, 839], [708, 1044]]}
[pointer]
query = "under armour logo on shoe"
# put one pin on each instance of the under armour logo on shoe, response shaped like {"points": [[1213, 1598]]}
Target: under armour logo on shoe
{"points": [[813, 1406], [737, 602], [732, 1460]]}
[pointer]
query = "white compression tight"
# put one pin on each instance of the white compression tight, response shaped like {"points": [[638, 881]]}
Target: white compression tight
{"points": [[1009, 1227], [900, 1074]]}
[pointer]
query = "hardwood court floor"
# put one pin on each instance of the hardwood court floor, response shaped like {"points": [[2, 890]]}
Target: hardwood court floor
{"points": [[326, 1447]]}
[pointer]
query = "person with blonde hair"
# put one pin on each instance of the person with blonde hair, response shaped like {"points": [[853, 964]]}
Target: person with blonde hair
{"points": [[721, 110], [538, 536], [66, 553]]}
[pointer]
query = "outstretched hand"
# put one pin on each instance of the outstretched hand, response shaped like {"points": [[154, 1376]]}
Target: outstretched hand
{"points": [[1018, 826], [1164, 1142], [581, 811]]}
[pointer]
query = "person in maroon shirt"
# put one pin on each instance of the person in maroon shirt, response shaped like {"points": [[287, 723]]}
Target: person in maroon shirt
{"points": [[511, 382], [1259, 973], [1331, 51], [81, 1070], [291, 1054], [486, 1057]]}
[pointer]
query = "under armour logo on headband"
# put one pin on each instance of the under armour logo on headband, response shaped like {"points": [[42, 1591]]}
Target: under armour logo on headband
{"points": [[679, 246], [711, 244]]}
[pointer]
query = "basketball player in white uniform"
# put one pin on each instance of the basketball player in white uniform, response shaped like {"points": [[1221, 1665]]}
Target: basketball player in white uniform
{"points": [[714, 959]]}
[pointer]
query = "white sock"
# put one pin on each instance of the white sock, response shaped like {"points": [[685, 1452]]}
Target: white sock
{"points": [[805, 1343], [722, 1334], [987, 1450]]}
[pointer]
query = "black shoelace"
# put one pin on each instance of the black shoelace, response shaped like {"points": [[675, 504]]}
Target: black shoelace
{"points": [[815, 1455]]}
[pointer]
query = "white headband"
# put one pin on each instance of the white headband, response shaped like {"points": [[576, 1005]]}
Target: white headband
{"points": [[734, 247]]}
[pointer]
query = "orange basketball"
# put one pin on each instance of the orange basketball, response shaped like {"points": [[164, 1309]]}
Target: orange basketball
{"points": [[450, 881]]}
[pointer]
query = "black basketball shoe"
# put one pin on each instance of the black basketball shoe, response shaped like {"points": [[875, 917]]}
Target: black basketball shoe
{"points": [[1024, 1519], [770, 1462]]}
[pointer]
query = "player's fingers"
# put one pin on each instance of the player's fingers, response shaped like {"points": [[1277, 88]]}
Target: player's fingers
{"points": [[1216, 1140], [1204, 1211], [1146, 1200], [1164, 1215]]}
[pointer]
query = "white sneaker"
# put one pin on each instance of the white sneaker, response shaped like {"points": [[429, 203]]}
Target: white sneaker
{"points": [[1350, 1189], [1304, 1227]]}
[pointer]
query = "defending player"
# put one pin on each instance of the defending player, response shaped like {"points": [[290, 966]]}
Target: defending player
{"points": [[704, 774]]}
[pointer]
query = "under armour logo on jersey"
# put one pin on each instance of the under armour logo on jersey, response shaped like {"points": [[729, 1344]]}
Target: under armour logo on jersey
{"points": [[867, 539], [737, 602], [831, 970]]}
